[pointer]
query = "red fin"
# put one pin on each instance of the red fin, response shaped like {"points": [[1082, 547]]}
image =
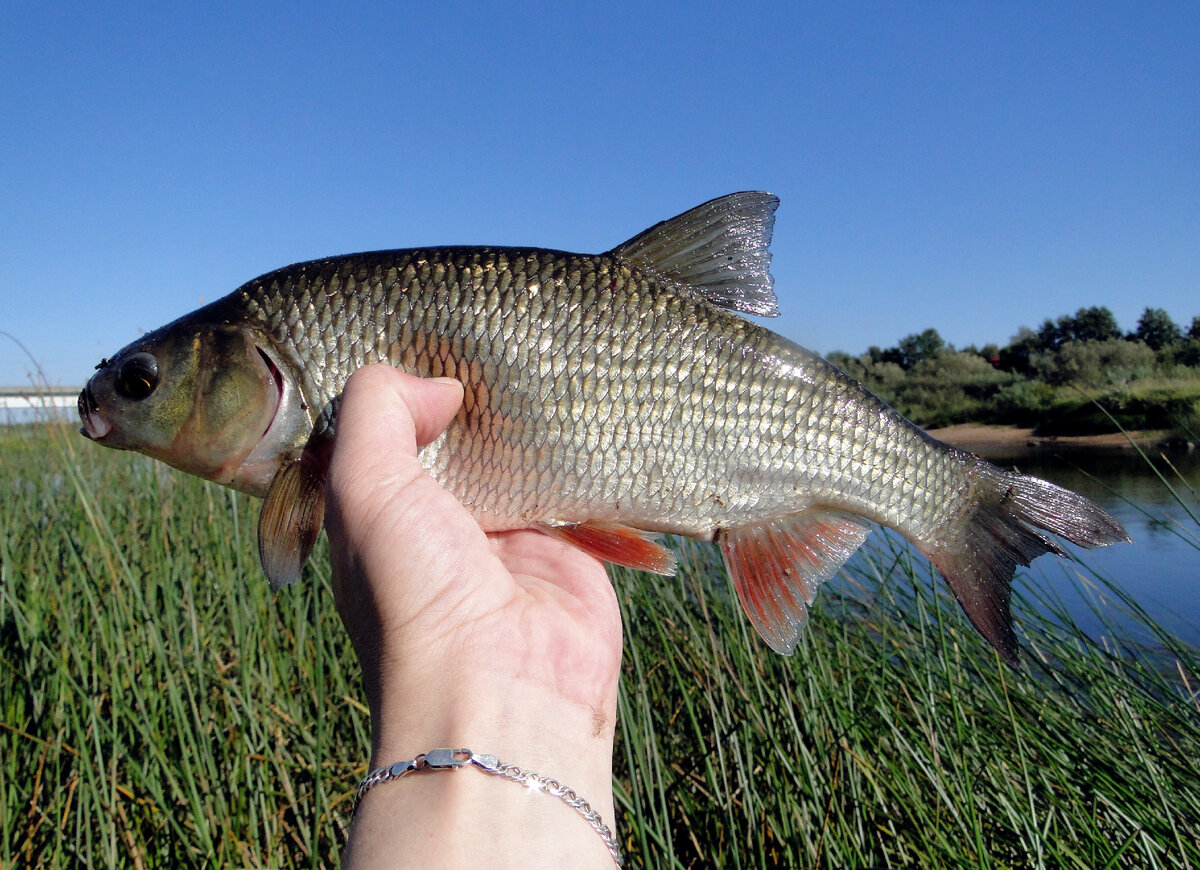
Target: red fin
{"points": [[292, 514], [621, 545], [776, 567]]}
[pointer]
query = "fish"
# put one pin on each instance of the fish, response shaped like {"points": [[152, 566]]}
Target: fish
{"points": [[608, 399]]}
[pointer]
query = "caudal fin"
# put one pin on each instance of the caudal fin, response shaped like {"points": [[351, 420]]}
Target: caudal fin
{"points": [[1014, 516]]}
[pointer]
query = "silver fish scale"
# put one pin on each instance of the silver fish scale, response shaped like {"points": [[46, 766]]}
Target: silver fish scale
{"points": [[591, 392]]}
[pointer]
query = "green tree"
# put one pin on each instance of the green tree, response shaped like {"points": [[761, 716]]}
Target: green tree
{"points": [[1021, 348], [990, 352], [1049, 335], [1094, 363], [1157, 329], [1188, 353], [1097, 323], [917, 348]]}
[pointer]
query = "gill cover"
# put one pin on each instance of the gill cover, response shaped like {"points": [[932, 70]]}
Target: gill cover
{"points": [[202, 397]]}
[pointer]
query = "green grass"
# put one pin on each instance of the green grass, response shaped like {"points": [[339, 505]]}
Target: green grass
{"points": [[161, 707]]}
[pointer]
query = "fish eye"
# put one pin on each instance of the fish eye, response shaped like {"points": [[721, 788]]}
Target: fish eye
{"points": [[138, 376]]}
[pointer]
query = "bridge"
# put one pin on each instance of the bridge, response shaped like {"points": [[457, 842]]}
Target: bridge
{"points": [[36, 398]]}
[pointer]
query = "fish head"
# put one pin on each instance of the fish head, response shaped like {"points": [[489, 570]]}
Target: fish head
{"points": [[209, 398]]}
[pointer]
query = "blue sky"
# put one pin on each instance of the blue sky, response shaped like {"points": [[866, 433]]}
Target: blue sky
{"points": [[967, 166]]}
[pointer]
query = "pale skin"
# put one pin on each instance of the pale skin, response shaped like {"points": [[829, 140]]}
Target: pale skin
{"points": [[506, 643]]}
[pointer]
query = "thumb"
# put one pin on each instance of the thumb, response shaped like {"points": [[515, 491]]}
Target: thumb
{"points": [[390, 524], [384, 418], [384, 404]]}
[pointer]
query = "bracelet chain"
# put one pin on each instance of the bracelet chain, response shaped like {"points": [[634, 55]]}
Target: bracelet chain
{"points": [[451, 759]]}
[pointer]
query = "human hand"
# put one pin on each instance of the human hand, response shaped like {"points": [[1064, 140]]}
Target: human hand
{"points": [[507, 643]]}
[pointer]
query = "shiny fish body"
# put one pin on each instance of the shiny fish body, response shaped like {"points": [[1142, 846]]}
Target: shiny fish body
{"points": [[606, 397], [593, 393]]}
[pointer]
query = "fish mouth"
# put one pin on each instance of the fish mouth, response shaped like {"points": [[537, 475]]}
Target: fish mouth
{"points": [[95, 424]]}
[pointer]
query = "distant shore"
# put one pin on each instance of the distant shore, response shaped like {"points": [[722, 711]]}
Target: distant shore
{"points": [[969, 436]]}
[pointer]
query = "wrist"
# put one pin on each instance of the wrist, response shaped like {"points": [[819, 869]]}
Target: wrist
{"points": [[469, 817], [513, 693], [483, 812], [522, 721], [517, 824]]}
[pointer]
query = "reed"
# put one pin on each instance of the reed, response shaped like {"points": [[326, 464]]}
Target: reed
{"points": [[161, 707]]}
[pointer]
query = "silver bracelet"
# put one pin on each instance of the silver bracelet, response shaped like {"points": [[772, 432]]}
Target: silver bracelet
{"points": [[450, 759]]}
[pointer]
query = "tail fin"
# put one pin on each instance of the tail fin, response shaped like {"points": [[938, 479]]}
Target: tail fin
{"points": [[1013, 513]]}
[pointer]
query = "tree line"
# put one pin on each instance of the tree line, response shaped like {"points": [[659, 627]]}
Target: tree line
{"points": [[1051, 378]]}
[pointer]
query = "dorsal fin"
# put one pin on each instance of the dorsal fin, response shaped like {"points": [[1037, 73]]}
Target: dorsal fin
{"points": [[718, 250]]}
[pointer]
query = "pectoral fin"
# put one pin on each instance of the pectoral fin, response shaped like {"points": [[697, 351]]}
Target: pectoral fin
{"points": [[618, 544], [777, 566], [293, 513]]}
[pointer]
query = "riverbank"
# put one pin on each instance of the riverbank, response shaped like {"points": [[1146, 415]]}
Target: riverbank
{"points": [[974, 437]]}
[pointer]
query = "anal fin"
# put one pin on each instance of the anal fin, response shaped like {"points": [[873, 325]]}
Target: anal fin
{"points": [[777, 565], [621, 545]]}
